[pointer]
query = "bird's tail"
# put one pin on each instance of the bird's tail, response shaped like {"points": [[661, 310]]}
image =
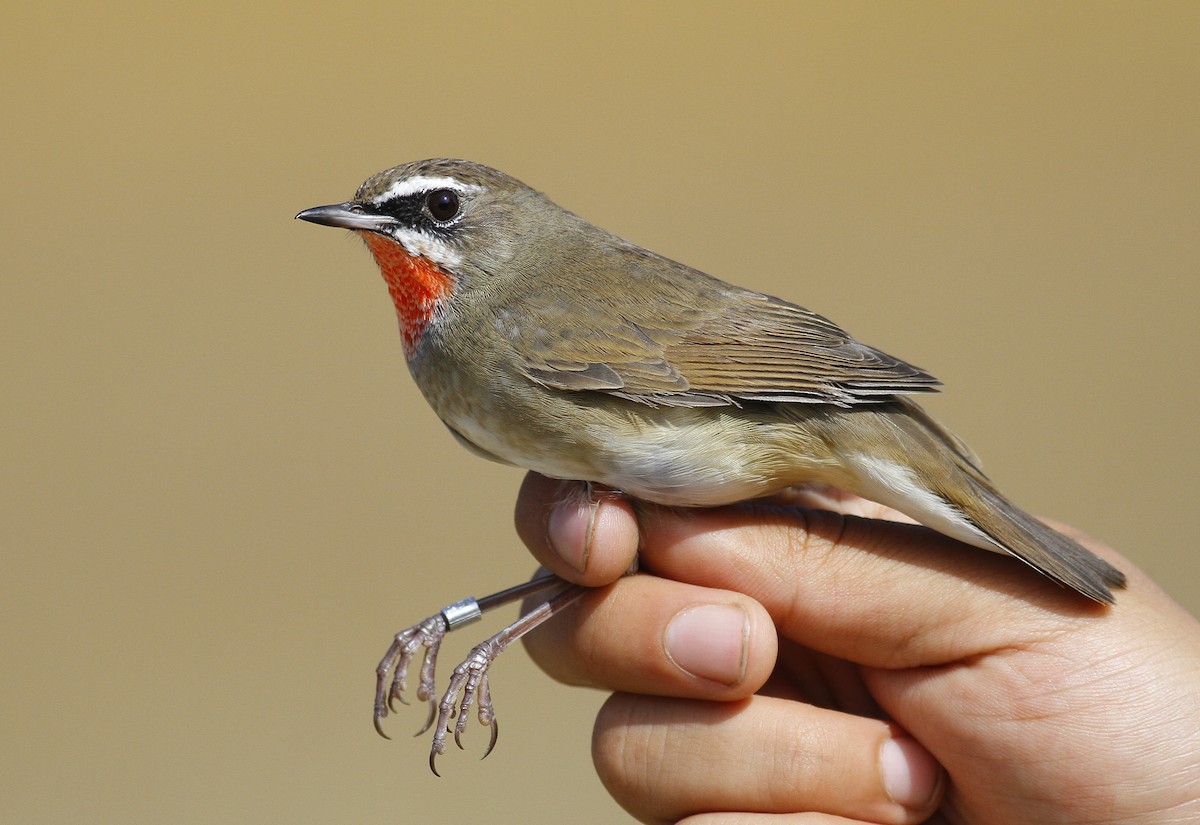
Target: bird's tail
{"points": [[918, 467], [1043, 548]]}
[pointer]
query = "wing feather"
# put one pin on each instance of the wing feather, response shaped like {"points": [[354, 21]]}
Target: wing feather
{"points": [[692, 340]]}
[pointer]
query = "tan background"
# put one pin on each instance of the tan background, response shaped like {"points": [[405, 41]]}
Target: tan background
{"points": [[222, 493]]}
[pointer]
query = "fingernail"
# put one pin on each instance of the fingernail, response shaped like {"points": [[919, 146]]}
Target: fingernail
{"points": [[709, 641], [570, 527], [910, 773]]}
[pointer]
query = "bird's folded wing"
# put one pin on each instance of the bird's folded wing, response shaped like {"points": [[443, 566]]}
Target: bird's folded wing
{"points": [[743, 346]]}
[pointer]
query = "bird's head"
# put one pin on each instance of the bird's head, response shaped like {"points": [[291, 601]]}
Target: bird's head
{"points": [[436, 227]]}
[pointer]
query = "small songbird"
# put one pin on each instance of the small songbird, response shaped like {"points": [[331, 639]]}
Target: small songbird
{"points": [[545, 342]]}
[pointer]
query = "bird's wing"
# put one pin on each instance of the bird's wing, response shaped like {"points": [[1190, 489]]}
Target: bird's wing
{"points": [[708, 344]]}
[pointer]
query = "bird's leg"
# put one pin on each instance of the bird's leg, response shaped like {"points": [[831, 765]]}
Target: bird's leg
{"points": [[391, 677], [470, 679]]}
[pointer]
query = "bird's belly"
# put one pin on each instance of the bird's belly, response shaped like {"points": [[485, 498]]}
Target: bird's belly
{"points": [[682, 466], [677, 456]]}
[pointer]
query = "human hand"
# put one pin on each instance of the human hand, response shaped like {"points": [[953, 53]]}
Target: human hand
{"points": [[756, 664]]}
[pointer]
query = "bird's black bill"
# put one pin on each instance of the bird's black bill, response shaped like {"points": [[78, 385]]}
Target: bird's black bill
{"points": [[346, 216]]}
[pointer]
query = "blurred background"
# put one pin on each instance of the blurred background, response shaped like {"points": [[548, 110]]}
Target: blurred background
{"points": [[222, 493]]}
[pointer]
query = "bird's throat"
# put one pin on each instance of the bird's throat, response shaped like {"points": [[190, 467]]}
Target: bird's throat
{"points": [[416, 284]]}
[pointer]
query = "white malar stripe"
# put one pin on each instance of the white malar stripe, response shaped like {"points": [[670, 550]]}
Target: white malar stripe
{"points": [[427, 246], [423, 183], [895, 485]]}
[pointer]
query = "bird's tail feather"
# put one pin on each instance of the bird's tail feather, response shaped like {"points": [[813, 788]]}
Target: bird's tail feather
{"points": [[1043, 548], [903, 458]]}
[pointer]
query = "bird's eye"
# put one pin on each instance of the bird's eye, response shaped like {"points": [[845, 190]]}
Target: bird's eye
{"points": [[442, 204]]}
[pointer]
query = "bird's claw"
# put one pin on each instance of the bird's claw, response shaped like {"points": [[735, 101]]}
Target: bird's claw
{"points": [[391, 676], [470, 682]]}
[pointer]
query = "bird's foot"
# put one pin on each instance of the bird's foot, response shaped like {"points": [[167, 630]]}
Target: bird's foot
{"points": [[391, 676], [468, 686], [469, 679]]}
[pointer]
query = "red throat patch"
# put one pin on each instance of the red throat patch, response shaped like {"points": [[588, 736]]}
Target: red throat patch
{"points": [[417, 285]]}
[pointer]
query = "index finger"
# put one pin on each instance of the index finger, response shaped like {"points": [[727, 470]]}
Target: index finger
{"points": [[876, 592], [879, 593]]}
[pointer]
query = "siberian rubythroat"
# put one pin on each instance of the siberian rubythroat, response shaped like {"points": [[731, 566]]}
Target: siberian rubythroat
{"points": [[548, 343]]}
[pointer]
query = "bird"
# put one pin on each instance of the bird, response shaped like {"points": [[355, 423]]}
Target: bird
{"points": [[545, 342]]}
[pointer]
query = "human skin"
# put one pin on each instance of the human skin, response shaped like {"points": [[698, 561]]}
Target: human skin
{"points": [[785, 663]]}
